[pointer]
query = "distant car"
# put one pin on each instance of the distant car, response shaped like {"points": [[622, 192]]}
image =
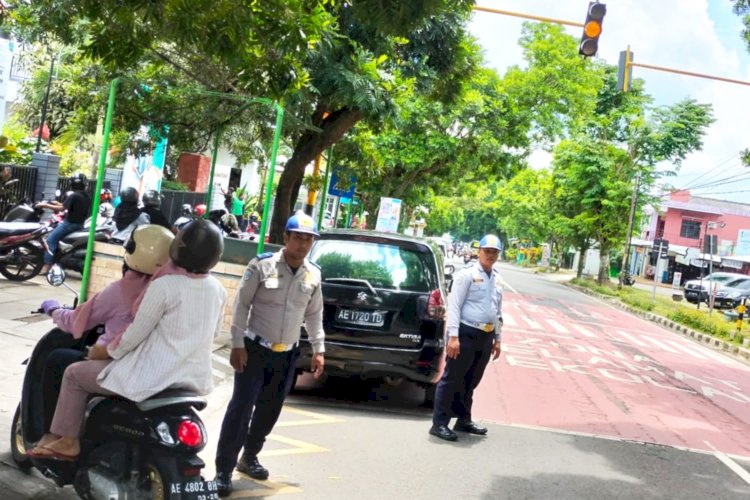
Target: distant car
{"points": [[732, 293], [697, 290], [384, 305]]}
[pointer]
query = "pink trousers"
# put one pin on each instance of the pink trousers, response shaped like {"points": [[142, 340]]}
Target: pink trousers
{"points": [[79, 382]]}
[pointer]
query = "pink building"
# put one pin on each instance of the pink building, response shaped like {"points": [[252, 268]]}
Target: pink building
{"points": [[688, 222]]}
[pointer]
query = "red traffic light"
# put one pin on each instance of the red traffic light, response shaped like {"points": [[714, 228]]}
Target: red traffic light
{"points": [[592, 28]]}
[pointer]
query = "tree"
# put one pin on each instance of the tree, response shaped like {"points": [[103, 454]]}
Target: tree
{"points": [[331, 63]]}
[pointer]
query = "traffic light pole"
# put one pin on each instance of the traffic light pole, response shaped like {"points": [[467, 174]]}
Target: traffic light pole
{"points": [[528, 16]]}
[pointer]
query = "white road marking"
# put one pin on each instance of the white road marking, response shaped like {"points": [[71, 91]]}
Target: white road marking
{"points": [[660, 344], [631, 338], [733, 466], [689, 350], [556, 326], [532, 324], [583, 331], [508, 320]]}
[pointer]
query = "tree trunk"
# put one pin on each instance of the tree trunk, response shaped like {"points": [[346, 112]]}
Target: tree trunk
{"points": [[310, 144], [581, 259], [603, 277]]}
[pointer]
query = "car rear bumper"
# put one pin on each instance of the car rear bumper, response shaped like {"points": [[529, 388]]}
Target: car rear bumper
{"points": [[424, 366]]}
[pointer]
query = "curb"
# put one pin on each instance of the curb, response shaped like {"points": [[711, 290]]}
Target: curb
{"points": [[737, 352]]}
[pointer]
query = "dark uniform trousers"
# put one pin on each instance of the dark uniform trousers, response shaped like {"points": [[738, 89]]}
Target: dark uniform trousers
{"points": [[455, 391], [259, 392]]}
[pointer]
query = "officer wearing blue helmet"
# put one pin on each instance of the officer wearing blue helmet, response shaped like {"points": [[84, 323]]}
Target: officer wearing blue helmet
{"points": [[278, 292], [473, 326]]}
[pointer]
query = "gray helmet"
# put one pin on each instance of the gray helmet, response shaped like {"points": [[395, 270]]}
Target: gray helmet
{"points": [[129, 195], [152, 198], [198, 246]]}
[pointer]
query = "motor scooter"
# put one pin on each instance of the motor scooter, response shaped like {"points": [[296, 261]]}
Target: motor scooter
{"points": [[129, 450], [22, 249]]}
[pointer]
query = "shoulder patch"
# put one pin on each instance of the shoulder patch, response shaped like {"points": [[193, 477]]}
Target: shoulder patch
{"points": [[264, 255]]}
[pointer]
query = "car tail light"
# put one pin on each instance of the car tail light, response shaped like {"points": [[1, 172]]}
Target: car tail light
{"points": [[189, 433], [436, 305]]}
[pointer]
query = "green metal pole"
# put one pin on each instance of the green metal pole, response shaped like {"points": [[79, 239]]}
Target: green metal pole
{"points": [[329, 162], [99, 180], [271, 174], [349, 212], [214, 154]]}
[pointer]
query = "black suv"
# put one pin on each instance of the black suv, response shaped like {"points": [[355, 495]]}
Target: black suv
{"points": [[384, 306]]}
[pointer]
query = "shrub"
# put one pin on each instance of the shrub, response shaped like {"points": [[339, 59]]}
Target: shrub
{"points": [[173, 185], [714, 325]]}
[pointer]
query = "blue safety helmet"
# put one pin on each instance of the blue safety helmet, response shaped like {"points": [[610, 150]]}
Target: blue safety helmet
{"points": [[490, 241], [301, 223]]}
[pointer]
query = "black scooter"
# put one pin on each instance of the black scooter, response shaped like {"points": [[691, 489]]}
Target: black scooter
{"points": [[128, 450]]}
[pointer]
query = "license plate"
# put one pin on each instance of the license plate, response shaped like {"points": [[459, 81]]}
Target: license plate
{"points": [[195, 490], [689, 293], [361, 318]]}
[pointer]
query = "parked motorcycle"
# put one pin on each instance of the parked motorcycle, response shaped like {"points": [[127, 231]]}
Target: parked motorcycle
{"points": [[128, 449], [627, 279], [22, 249]]}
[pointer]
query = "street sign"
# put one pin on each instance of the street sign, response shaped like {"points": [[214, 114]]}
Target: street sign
{"points": [[336, 187], [662, 246]]}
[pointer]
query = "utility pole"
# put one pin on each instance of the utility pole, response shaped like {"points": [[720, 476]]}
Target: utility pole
{"points": [[44, 105]]}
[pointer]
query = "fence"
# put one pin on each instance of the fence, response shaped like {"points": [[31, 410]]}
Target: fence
{"points": [[172, 201], [63, 185], [22, 189]]}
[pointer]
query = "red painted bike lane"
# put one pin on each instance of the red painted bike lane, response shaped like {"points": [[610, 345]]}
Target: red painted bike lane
{"points": [[598, 370]]}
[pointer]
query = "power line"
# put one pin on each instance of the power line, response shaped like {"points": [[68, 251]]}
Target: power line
{"points": [[725, 180], [736, 155]]}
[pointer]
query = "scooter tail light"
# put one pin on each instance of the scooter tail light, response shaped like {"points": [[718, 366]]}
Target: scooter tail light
{"points": [[189, 433]]}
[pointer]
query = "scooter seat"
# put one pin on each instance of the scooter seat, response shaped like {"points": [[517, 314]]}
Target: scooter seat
{"points": [[171, 397], [15, 228]]}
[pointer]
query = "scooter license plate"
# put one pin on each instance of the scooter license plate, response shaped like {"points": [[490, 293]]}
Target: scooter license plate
{"points": [[195, 490]]}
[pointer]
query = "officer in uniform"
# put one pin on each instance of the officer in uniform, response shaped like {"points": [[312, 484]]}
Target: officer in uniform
{"points": [[277, 293], [474, 324]]}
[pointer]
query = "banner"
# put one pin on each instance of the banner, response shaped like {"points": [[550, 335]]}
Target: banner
{"points": [[388, 215], [145, 172]]}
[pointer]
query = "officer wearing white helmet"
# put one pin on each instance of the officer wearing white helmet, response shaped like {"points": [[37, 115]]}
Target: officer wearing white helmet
{"points": [[474, 323], [278, 292]]}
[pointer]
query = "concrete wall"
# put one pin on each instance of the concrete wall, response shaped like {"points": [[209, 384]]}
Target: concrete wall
{"points": [[107, 267], [47, 172]]}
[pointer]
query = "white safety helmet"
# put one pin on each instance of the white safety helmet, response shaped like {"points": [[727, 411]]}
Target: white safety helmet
{"points": [[147, 249]]}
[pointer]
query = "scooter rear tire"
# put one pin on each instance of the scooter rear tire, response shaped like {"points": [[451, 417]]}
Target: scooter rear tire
{"points": [[17, 443], [31, 260]]}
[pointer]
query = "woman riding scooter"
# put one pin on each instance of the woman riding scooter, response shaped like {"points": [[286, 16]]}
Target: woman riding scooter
{"points": [[168, 344], [146, 251]]}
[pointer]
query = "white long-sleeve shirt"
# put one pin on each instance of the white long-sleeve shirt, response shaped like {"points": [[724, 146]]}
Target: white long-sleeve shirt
{"points": [[168, 345]]}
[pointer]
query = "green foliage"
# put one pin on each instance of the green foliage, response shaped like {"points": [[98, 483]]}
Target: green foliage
{"points": [[637, 300], [592, 285], [714, 325], [170, 185], [337, 265]]}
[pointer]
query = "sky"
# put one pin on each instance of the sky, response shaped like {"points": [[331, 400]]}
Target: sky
{"points": [[700, 36]]}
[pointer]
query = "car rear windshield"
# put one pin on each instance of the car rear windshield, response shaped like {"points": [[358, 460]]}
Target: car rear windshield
{"points": [[382, 264]]}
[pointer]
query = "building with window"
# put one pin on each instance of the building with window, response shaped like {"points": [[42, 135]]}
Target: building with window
{"points": [[701, 232]]}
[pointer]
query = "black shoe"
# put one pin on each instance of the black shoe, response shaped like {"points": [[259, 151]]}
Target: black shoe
{"points": [[470, 427], [443, 432], [252, 468], [223, 483]]}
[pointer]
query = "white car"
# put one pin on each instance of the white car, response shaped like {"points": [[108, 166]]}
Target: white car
{"points": [[697, 290]]}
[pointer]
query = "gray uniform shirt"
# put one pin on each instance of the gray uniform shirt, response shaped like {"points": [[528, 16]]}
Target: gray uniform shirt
{"points": [[475, 297], [272, 302]]}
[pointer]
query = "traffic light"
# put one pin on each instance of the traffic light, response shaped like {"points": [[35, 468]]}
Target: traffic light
{"points": [[625, 70], [592, 28]]}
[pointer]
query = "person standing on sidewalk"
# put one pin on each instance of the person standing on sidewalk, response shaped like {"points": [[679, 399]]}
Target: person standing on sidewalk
{"points": [[474, 324], [277, 293]]}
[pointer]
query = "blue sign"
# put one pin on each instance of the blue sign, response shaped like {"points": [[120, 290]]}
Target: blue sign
{"points": [[334, 189]]}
